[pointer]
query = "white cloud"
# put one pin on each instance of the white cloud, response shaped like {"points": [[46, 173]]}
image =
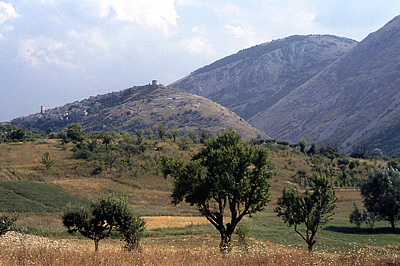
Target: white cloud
{"points": [[198, 45], [41, 51], [93, 38], [199, 30], [7, 12], [159, 14], [237, 30]]}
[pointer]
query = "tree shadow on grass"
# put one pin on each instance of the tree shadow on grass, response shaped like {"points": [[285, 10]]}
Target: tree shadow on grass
{"points": [[363, 231]]}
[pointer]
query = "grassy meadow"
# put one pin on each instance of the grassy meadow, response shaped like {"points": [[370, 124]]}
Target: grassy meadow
{"points": [[175, 235]]}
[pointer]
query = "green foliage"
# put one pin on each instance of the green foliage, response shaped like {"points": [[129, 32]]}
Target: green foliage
{"points": [[75, 133], [343, 161], [312, 150], [47, 161], [313, 209], [227, 173], [161, 129], [329, 152], [106, 214], [381, 192], [174, 132], [6, 222], [192, 135], [149, 133], [243, 232], [25, 196], [302, 144], [9, 133], [356, 216], [301, 177]]}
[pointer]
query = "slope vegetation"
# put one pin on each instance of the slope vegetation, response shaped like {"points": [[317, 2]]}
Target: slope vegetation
{"points": [[141, 107]]}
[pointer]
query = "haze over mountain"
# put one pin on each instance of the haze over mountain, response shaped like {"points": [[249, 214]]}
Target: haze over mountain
{"points": [[317, 88], [140, 107]]}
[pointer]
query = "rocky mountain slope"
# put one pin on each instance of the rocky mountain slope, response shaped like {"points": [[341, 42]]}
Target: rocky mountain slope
{"points": [[356, 98], [256, 78], [139, 108], [319, 88]]}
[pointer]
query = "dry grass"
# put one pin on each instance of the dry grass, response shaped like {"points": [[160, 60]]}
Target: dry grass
{"points": [[173, 221], [24, 250]]}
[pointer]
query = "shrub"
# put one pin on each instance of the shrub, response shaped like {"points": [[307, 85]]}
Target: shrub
{"points": [[6, 222], [356, 217]]}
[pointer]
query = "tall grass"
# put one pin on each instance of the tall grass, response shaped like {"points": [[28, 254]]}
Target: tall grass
{"points": [[260, 254]]}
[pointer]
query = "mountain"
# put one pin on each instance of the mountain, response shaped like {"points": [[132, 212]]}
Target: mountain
{"points": [[354, 100], [140, 107], [256, 78]]}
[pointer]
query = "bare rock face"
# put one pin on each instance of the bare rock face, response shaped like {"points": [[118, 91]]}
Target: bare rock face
{"points": [[352, 100], [255, 79]]}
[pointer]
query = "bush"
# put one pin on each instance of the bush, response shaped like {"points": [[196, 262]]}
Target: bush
{"points": [[356, 217], [243, 231], [6, 222]]}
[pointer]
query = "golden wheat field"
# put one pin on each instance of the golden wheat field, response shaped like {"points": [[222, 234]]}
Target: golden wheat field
{"points": [[20, 250]]}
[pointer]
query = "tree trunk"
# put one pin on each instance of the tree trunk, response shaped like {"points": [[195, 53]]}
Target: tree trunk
{"points": [[225, 245], [310, 248], [392, 224], [96, 245]]}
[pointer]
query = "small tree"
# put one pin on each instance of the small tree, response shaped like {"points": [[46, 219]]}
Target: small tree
{"points": [[75, 133], [302, 144], [313, 209], [161, 129], [47, 161], [139, 133], [174, 131], [149, 133], [105, 214], [356, 217], [381, 192], [192, 135], [6, 222], [228, 173]]}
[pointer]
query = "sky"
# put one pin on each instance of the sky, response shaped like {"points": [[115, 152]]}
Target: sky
{"points": [[54, 52]]}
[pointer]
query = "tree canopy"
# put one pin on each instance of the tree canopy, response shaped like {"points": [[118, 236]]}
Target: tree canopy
{"points": [[313, 209], [381, 192], [106, 214], [228, 173]]}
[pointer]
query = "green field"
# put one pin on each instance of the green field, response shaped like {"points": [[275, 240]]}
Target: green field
{"points": [[38, 195]]}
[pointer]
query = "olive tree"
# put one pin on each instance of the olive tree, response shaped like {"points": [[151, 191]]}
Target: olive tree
{"points": [[381, 192], [312, 209], [161, 129], [227, 174], [105, 214]]}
